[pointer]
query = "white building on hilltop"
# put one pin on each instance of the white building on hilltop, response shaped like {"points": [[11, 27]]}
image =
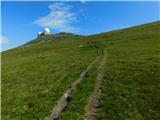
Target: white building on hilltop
{"points": [[39, 33], [45, 32]]}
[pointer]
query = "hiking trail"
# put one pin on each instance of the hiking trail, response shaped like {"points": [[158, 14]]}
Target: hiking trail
{"points": [[65, 99], [93, 103]]}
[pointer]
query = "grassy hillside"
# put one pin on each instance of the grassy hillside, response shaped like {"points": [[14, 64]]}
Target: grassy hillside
{"points": [[132, 84], [131, 88], [35, 75]]}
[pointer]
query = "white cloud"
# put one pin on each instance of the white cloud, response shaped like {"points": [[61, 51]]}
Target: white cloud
{"points": [[83, 1], [60, 18], [3, 40]]}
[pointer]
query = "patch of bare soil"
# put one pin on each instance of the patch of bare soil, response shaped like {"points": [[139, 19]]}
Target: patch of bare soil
{"points": [[93, 103]]}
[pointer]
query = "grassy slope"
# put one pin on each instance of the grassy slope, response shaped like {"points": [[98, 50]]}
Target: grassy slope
{"points": [[75, 109], [130, 89], [35, 76]]}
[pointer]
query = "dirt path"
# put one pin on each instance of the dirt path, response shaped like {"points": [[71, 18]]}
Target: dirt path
{"points": [[65, 99], [93, 102]]}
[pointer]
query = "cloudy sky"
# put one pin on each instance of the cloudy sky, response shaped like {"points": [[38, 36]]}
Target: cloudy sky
{"points": [[22, 20]]}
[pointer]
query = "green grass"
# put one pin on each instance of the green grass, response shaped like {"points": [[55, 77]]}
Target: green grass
{"points": [[131, 87], [34, 78], [35, 75], [76, 108]]}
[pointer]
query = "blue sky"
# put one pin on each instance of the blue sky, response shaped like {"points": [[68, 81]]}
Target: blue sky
{"points": [[22, 20]]}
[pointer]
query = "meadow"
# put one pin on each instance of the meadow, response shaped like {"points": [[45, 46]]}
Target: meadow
{"points": [[131, 87], [35, 75]]}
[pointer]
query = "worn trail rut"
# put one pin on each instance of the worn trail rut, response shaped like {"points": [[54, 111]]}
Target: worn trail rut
{"points": [[93, 103], [63, 102]]}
